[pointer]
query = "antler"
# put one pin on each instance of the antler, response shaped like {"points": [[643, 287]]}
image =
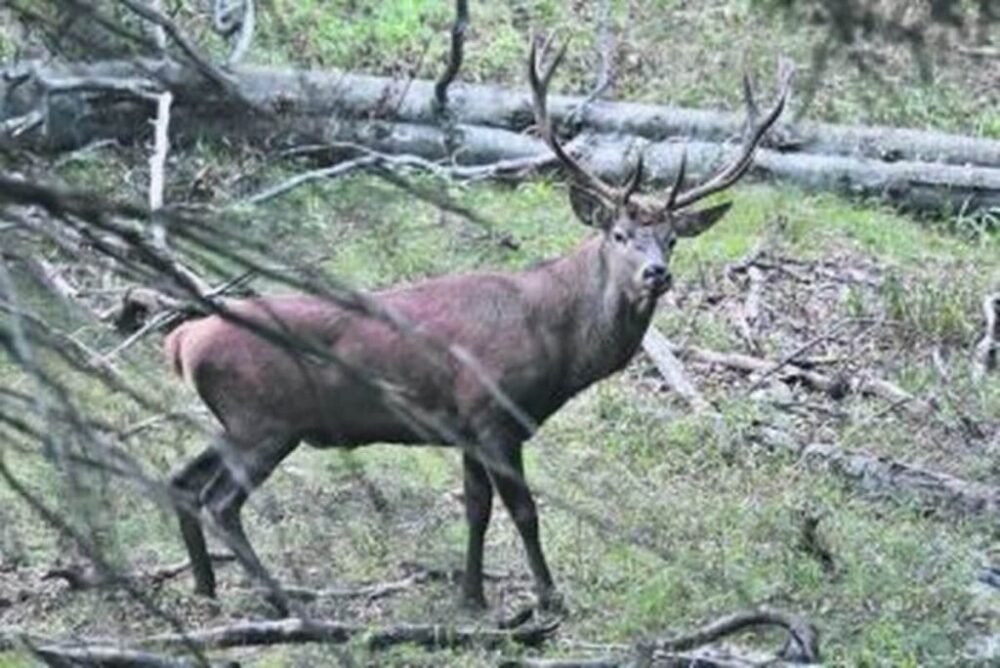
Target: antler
{"points": [[738, 167], [539, 90]]}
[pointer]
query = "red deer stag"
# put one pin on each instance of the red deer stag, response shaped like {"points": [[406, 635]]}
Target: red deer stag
{"points": [[538, 337]]}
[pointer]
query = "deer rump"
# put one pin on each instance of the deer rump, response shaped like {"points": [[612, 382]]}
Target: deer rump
{"points": [[381, 384]]}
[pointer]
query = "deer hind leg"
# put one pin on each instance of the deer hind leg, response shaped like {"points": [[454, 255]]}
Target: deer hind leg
{"points": [[506, 468], [187, 484], [478, 507], [243, 469]]}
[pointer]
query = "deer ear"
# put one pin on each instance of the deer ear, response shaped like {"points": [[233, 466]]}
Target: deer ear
{"points": [[589, 208], [693, 223]]}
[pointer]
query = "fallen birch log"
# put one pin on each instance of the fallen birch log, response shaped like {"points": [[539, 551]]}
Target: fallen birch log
{"points": [[361, 96], [88, 102]]}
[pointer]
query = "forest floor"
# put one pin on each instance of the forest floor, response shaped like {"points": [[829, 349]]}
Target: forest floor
{"points": [[853, 289]]}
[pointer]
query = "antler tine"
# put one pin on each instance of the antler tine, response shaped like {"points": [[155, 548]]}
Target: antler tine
{"points": [[678, 181], [634, 180], [539, 90], [736, 169], [753, 113]]}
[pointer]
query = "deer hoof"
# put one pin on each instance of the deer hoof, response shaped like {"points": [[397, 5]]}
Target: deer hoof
{"points": [[473, 602], [551, 601], [279, 606], [205, 588]]}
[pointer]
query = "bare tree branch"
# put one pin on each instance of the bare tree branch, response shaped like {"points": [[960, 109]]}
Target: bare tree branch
{"points": [[201, 62], [458, 29]]}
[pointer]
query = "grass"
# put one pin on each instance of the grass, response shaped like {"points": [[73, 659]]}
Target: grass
{"points": [[724, 517], [652, 63]]}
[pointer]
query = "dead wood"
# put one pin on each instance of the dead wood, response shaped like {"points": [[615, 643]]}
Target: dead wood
{"points": [[354, 96], [979, 51], [672, 651], [267, 633], [884, 475], [837, 387], [692, 648], [458, 29], [803, 642], [81, 577], [748, 314], [285, 631], [487, 124], [984, 358], [107, 656], [659, 350], [374, 591]]}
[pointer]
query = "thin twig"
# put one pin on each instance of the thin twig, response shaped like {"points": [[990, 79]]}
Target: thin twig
{"points": [[201, 62], [979, 51], [458, 29], [371, 158], [339, 169]]}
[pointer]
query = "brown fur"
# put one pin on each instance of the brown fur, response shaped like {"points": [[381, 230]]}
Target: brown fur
{"points": [[473, 345], [541, 336]]}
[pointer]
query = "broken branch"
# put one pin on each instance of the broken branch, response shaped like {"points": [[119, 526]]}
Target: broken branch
{"points": [[984, 358], [458, 29], [882, 474], [659, 350], [435, 636]]}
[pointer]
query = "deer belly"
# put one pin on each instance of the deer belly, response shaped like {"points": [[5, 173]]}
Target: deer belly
{"points": [[356, 417]]}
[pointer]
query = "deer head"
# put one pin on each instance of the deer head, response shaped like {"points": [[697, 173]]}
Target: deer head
{"points": [[640, 231]]}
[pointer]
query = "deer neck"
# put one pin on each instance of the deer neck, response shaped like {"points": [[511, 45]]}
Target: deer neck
{"points": [[603, 325]]}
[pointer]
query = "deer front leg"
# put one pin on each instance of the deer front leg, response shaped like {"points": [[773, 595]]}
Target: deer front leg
{"points": [[506, 470]]}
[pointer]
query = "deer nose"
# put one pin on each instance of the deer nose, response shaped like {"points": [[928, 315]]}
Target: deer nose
{"points": [[655, 275]]}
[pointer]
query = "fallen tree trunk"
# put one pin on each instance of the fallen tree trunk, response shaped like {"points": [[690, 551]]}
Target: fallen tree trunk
{"points": [[361, 96], [884, 475], [278, 632], [87, 102], [801, 645]]}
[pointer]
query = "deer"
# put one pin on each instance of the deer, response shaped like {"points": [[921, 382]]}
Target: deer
{"points": [[532, 340]]}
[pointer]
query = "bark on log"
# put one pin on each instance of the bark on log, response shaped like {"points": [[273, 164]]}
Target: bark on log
{"points": [[884, 475], [660, 350], [398, 117], [284, 631], [353, 95]]}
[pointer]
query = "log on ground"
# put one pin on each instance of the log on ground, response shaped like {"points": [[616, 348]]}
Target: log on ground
{"points": [[310, 107]]}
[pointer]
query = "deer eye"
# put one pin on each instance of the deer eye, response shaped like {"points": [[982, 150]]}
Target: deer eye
{"points": [[619, 236]]}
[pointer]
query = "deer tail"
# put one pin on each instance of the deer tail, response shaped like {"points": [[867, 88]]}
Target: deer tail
{"points": [[172, 347]]}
